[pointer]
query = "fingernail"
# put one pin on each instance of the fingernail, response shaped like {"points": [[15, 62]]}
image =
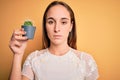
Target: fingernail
{"points": [[23, 29], [16, 32], [26, 37]]}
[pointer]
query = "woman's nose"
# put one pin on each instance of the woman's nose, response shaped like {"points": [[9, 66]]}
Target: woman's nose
{"points": [[57, 28]]}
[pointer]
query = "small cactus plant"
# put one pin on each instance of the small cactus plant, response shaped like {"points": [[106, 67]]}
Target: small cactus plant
{"points": [[29, 28], [28, 23]]}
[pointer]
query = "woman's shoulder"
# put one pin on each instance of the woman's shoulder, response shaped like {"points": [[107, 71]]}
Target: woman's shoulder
{"points": [[82, 54], [36, 53]]}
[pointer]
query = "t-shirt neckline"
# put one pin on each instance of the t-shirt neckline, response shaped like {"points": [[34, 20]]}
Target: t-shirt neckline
{"points": [[67, 53]]}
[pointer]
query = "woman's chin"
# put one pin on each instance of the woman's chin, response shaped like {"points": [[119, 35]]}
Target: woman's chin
{"points": [[57, 42]]}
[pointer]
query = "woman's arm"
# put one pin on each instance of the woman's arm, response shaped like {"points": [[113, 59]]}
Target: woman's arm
{"points": [[17, 44]]}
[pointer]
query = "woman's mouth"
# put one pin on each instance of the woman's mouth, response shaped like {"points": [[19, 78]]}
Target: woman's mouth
{"points": [[57, 36]]}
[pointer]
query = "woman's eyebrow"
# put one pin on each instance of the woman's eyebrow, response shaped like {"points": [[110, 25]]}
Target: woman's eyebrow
{"points": [[64, 18], [50, 18]]}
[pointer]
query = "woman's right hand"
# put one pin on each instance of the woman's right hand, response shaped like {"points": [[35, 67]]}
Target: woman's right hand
{"points": [[18, 42]]}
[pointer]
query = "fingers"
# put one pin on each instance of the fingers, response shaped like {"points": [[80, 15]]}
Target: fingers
{"points": [[15, 43], [18, 42], [18, 34]]}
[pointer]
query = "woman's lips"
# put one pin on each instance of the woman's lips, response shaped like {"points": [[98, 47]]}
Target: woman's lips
{"points": [[57, 36]]}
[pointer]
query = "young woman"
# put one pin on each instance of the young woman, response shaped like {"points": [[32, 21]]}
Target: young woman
{"points": [[59, 59]]}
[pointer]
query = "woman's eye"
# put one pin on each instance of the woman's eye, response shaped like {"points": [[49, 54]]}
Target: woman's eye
{"points": [[64, 23], [50, 22]]}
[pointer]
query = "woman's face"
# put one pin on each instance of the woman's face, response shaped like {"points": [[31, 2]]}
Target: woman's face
{"points": [[58, 24]]}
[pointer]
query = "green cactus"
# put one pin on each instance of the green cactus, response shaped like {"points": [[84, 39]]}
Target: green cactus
{"points": [[28, 23]]}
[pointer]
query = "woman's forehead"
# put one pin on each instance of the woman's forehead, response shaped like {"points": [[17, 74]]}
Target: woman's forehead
{"points": [[58, 12]]}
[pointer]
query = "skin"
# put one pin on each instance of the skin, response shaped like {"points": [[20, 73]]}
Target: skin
{"points": [[17, 45], [58, 26]]}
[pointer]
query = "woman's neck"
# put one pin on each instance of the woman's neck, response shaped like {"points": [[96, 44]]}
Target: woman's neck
{"points": [[59, 50]]}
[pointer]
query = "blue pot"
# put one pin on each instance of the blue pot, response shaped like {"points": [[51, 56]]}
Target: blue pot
{"points": [[30, 31]]}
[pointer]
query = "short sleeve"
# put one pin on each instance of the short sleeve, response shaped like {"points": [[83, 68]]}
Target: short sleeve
{"points": [[27, 68], [91, 68]]}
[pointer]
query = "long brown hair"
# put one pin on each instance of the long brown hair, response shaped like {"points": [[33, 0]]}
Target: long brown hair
{"points": [[72, 35]]}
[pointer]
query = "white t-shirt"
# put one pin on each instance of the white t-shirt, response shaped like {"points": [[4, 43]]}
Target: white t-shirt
{"points": [[74, 65]]}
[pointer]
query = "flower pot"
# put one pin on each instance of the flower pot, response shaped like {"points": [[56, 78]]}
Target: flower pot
{"points": [[30, 31]]}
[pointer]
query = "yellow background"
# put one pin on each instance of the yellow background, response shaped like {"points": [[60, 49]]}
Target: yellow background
{"points": [[98, 31]]}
